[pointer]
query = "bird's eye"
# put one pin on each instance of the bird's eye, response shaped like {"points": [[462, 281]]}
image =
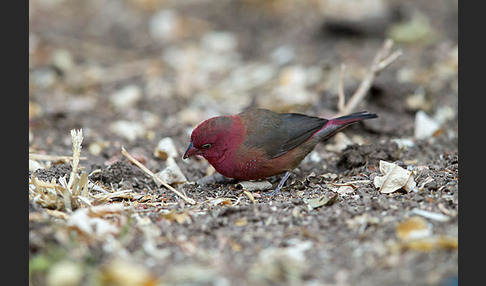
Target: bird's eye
{"points": [[206, 146]]}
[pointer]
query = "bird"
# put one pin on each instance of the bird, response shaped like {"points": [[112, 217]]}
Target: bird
{"points": [[259, 143]]}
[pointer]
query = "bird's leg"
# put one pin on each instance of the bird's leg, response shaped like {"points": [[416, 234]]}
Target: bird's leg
{"points": [[280, 185]]}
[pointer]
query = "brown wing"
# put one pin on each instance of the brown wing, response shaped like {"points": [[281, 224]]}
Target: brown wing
{"points": [[277, 133]]}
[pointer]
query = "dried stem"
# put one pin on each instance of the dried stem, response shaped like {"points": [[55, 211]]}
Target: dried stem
{"points": [[55, 158], [342, 98], [151, 174], [382, 59], [77, 139]]}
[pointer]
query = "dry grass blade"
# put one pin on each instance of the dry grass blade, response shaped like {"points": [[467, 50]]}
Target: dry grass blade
{"points": [[83, 183], [342, 98], [351, 183], [106, 197], [382, 59], [54, 158], [151, 174], [250, 196], [77, 138]]}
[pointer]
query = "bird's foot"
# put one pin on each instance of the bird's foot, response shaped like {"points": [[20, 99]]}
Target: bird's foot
{"points": [[280, 185]]}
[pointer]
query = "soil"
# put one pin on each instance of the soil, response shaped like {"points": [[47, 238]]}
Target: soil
{"points": [[227, 238]]}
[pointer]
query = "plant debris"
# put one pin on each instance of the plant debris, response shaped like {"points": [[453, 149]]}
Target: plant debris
{"points": [[321, 201], [395, 178]]}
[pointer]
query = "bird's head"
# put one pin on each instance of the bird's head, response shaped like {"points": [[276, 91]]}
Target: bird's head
{"points": [[212, 138]]}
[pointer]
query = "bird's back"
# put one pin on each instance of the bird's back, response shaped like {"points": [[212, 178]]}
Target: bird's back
{"points": [[278, 133]]}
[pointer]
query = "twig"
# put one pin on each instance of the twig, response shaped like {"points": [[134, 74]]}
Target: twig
{"points": [[393, 57], [151, 174], [382, 59], [342, 98], [351, 183]]}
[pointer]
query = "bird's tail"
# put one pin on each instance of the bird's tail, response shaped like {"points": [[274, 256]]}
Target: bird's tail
{"points": [[336, 124], [353, 117]]}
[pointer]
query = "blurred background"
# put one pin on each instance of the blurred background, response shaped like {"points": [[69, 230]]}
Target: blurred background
{"points": [[141, 69]]}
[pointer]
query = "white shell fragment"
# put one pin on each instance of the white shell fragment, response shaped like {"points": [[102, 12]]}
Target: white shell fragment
{"points": [[34, 165], [91, 220], [431, 215], [219, 41], [395, 178], [126, 97], [172, 174], [255, 186], [165, 25], [165, 148], [127, 129], [425, 126]]}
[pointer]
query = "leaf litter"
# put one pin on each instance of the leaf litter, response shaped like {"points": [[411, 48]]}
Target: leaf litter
{"points": [[394, 178]]}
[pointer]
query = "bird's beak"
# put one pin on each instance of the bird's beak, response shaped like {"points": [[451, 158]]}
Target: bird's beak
{"points": [[191, 151]]}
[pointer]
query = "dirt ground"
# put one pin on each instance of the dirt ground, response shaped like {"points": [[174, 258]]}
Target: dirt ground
{"points": [[130, 73]]}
